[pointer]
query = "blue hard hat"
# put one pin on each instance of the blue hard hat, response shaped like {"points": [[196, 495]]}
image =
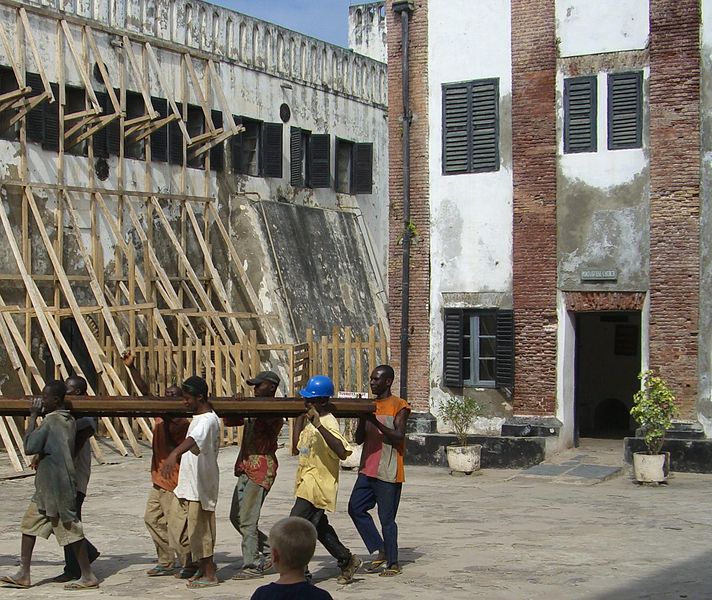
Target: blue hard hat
{"points": [[319, 386]]}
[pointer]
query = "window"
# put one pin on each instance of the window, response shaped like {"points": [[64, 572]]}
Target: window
{"points": [[580, 114], [107, 140], [299, 148], [245, 147], [478, 348], [75, 102], [625, 110], [159, 138], [354, 167], [344, 155], [8, 83], [135, 107], [471, 127], [195, 124], [217, 152]]}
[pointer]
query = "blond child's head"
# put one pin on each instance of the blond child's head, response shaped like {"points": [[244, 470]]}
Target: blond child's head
{"points": [[293, 541]]}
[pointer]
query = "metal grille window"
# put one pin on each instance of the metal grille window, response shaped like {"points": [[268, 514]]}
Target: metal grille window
{"points": [[298, 153], [478, 348], [625, 110], [471, 127], [272, 150], [245, 147], [580, 114]]}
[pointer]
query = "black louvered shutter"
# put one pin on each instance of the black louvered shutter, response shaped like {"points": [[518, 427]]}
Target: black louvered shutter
{"points": [[484, 150], [452, 347], [113, 129], [625, 110], [363, 169], [50, 137], [175, 140], [295, 157], [320, 161], [159, 138], [456, 129], [580, 108], [504, 361], [217, 152], [35, 118], [272, 150], [100, 140]]}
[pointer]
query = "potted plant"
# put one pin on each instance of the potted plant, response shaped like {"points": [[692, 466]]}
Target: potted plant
{"points": [[460, 413], [653, 409]]}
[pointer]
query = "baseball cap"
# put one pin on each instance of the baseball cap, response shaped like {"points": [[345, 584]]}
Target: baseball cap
{"points": [[270, 376], [195, 386]]}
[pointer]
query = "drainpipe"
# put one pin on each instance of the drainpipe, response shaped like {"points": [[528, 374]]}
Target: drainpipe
{"points": [[405, 8]]}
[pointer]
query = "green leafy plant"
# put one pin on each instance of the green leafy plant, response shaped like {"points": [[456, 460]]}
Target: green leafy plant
{"points": [[460, 412], [653, 409]]}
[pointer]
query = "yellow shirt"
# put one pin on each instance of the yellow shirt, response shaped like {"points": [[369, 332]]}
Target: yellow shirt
{"points": [[318, 471]]}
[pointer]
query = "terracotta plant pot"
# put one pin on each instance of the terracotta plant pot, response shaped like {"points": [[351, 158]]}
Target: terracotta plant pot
{"points": [[464, 459], [651, 468]]}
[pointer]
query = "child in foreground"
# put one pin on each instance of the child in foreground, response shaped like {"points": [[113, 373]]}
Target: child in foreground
{"points": [[293, 541]]}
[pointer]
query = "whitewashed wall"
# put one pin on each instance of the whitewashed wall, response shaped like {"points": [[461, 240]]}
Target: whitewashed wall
{"points": [[470, 215], [593, 27]]}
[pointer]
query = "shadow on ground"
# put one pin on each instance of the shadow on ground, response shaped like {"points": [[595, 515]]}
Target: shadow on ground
{"points": [[690, 579]]}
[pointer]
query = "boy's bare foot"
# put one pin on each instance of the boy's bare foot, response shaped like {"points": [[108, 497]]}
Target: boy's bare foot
{"points": [[202, 582], [198, 575], [21, 579]]}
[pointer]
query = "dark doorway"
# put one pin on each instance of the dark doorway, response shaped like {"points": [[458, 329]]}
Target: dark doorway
{"points": [[607, 366]]}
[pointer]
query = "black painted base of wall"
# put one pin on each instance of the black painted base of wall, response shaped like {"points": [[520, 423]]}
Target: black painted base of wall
{"points": [[497, 452], [686, 455]]}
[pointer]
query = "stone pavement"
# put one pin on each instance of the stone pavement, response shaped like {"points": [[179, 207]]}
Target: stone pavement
{"points": [[494, 536]]}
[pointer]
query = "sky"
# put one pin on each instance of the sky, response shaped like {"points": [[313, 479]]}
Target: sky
{"points": [[323, 19]]}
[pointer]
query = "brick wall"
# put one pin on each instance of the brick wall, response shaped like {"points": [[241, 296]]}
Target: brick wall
{"points": [[534, 228], [419, 354], [674, 194]]}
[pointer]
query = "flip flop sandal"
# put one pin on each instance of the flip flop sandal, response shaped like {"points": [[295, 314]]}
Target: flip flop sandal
{"points": [[199, 584], [391, 571], [375, 565], [10, 581], [77, 586], [160, 571]]}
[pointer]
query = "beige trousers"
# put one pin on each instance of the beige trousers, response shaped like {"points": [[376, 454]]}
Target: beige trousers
{"points": [[165, 520], [200, 526]]}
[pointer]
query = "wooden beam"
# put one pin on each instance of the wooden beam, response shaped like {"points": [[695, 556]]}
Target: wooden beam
{"points": [[146, 406]]}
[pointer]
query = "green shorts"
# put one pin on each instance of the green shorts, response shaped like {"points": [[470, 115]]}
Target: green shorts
{"points": [[36, 524]]}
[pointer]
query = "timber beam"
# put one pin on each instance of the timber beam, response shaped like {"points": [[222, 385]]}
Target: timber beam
{"points": [[156, 406]]}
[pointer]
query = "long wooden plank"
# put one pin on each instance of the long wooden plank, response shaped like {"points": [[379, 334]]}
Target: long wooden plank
{"points": [[145, 406]]}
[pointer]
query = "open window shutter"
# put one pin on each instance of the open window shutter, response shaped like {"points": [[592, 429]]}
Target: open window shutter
{"points": [[217, 152], [159, 138], [504, 363], [580, 114], [625, 110], [363, 169], [456, 129], [35, 118], [319, 160], [295, 157], [272, 150], [484, 141], [175, 140], [452, 347], [100, 140], [50, 138]]}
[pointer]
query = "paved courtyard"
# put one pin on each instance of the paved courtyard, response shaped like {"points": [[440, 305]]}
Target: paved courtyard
{"points": [[497, 535]]}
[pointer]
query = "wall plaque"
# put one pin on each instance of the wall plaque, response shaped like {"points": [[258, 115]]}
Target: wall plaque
{"points": [[599, 275]]}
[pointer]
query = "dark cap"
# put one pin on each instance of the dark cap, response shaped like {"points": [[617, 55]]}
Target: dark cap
{"points": [[195, 386], [270, 376]]}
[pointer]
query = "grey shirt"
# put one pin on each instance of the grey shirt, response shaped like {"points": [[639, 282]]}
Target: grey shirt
{"points": [[55, 482]]}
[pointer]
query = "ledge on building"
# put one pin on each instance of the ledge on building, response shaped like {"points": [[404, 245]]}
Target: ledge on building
{"points": [[498, 452], [531, 427], [690, 451]]}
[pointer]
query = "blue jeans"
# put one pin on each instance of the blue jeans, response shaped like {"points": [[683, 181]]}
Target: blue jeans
{"points": [[247, 501], [367, 493]]}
